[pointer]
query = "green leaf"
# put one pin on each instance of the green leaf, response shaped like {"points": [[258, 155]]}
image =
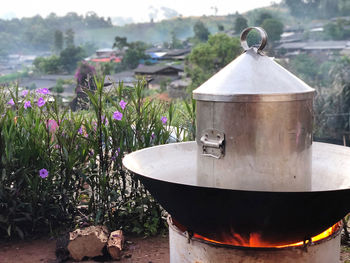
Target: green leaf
{"points": [[9, 230]]}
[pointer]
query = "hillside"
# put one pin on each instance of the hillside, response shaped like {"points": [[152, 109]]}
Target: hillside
{"points": [[154, 32], [159, 32], [37, 34]]}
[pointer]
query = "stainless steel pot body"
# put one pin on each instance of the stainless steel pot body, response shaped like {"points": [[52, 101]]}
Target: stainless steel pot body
{"points": [[266, 144]]}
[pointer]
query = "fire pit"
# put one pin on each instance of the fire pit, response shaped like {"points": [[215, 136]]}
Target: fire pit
{"points": [[253, 179], [325, 249]]}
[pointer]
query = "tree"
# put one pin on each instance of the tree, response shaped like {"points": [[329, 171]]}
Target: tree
{"points": [[253, 38], [344, 7], [305, 66], [131, 58], [262, 16], [89, 48], [120, 42], [206, 59], [50, 65], [133, 55], [329, 8], [240, 24], [221, 28], [58, 43], [302, 8], [201, 32], [52, 20], [70, 57], [134, 52], [337, 31], [175, 42], [273, 28], [69, 37], [38, 36], [92, 19], [333, 31]]}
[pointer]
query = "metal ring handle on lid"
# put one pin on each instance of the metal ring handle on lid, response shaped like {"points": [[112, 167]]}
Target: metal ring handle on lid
{"points": [[263, 36]]}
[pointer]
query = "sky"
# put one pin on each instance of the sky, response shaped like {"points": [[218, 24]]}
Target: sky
{"points": [[138, 10]]}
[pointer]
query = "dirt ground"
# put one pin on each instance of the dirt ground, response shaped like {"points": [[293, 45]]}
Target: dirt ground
{"points": [[138, 250]]}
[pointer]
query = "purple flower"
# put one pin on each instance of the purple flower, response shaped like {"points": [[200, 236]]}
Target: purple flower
{"points": [[27, 104], [118, 150], [104, 120], [94, 125], [11, 102], [82, 131], [122, 104], [83, 71], [25, 93], [117, 115], [43, 91], [114, 157], [164, 119], [77, 74], [43, 173], [41, 102], [153, 136]]}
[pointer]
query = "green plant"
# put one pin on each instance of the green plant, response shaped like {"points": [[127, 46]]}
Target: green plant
{"points": [[30, 203], [58, 88], [53, 160]]}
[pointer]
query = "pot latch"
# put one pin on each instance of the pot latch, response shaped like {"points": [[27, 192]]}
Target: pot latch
{"points": [[213, 143]]}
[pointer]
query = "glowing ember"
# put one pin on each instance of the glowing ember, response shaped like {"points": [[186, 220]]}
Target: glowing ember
{"points": [[255, 239]]}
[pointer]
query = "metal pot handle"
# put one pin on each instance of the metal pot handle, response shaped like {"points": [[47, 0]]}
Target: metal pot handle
{"points": [[244, 35], [213, 143]]}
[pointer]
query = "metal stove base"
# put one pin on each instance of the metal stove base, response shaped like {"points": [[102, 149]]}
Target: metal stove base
{"points": [[184, 250]]}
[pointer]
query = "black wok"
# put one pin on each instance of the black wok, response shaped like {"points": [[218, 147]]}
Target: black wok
{"points": [[169, 174]]}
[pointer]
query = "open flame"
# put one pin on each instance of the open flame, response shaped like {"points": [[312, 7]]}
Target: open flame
{"points": [[256, 241]]}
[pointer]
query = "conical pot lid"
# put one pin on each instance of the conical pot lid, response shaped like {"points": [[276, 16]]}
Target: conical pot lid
{"points": [[253, 77]]}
